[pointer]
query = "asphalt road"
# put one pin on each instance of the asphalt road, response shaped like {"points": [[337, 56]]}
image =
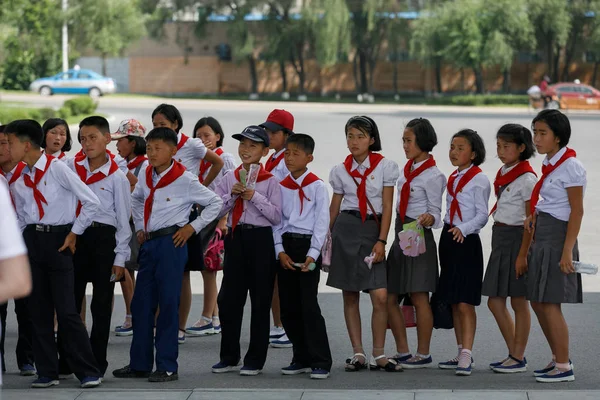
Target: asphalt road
{"points": [[325, 122]]}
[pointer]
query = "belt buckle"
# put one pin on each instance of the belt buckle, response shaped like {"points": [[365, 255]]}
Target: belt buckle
{"points": [[40, 228]]}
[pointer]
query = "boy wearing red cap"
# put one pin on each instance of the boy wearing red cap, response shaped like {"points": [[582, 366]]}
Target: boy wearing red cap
{"points": [[279, 126]]}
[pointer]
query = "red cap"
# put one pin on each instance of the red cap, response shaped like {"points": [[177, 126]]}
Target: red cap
{"points": [[279, 120]]}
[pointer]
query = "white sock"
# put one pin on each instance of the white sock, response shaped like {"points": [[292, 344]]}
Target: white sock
{"points": [[403, 354], [423, 356]]}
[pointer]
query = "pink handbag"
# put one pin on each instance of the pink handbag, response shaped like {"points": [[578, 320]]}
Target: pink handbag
{"points": [[326, 253], [214, 256]]}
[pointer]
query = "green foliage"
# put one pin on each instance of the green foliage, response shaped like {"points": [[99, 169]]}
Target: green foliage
{"points": [[482, 100], [81, 105], [65, 113]]}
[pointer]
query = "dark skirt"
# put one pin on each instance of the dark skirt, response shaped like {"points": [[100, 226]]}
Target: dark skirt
{"points": [[500, 276], [461, 269], [352, 241], [545, 281], [412, 274], [134, 245]]}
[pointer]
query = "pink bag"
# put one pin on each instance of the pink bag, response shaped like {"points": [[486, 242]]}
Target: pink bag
{"points": [[214, 256], [326, 253]]}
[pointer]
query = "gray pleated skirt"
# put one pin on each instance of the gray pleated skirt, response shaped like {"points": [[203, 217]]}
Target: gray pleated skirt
{"points": [[352, 241], [412, 274], [545, 281], [500, 276]]}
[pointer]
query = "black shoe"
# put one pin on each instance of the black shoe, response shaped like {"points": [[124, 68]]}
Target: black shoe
{"points": [[127, 372], [163, 376]]}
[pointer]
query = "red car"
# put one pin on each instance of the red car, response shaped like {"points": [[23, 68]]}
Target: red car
{"points": [[572, 96]]}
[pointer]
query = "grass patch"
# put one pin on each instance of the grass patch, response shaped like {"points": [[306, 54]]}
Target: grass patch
{"points": [[73, 111]]}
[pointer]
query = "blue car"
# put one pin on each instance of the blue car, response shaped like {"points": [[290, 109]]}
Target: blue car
{"points": [[75, 81]]}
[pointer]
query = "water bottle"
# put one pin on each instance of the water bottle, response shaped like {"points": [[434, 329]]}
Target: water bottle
{"points": [[585, 268]]}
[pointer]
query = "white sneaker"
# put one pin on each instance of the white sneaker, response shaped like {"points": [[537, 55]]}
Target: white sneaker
{"points": [[282, 343], [276, 333]]}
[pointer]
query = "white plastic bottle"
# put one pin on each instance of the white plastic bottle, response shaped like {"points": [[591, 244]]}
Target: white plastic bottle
{"points": [[585, 268]]}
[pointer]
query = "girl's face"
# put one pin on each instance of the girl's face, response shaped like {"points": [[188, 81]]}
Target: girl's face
{"points": [[409, 143], [125, 148], [208, 137], [546, 142], [56, 139], [160, 121], [461, 153], [508, 152], [358, 142]]}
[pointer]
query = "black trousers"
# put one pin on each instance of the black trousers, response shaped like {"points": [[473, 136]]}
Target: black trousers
{"points": [[300, 311], [249, 267], [24, 349], [93, 263], [53, 288]]}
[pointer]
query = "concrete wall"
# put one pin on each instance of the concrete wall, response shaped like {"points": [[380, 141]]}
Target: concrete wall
{"points": [[116, 68]]}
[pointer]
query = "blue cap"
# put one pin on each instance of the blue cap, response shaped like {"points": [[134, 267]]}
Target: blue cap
{"points": [[254, 133]]}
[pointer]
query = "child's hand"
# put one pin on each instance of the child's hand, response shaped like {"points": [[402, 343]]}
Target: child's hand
{"points": [[457, 235], [286, 262], [566, 262], [426, 220], [529, 223], [181, 237], [521, 266], [379, 251], [118, 272], [308, 261], [222, 226], [69, 243], [237, 189], [141, 236], [248, 193]]}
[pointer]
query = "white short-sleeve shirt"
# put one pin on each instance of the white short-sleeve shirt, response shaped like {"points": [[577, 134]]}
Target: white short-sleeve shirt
{"points": [[384, 175], [426, 192], [510, 209], [554, 199], [11, 239]]}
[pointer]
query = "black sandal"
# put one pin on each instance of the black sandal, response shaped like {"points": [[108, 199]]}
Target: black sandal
{"points": [[390, 366], [353, 364]]}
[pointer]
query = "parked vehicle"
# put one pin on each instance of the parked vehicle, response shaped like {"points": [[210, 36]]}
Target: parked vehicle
{"points": [[572, 96], [75, 81]]}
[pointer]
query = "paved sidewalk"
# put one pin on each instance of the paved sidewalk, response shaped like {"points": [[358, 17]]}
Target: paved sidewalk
{"points": [[295, 394]]}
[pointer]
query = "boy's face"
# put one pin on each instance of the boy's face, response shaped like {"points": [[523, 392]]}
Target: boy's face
{"points": [[160, 152], [251, 152], [4, 152], [93, 142], [17, 148], [296, 158], [276, 139]]}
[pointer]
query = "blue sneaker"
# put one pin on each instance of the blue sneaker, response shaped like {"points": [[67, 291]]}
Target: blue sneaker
{"points": [[549, 367], [43, 382], [497, 363], [222, 367], [400, 359], [452, 364], [556, 376], [282, 343], [120, 331], [464, 371], [27, 370], [216, 325], [520, 366], [295, 369], [91, 382], [181, 337], [203, 330], [276, 333], [418, 363], [250, 371], [319, 373]]}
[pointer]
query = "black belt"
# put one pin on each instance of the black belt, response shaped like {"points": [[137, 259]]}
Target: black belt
{"points": [[512, 226], [356, 214], [292, 235], [100, 225], [50, 228], [161, 232], [248, 226]]}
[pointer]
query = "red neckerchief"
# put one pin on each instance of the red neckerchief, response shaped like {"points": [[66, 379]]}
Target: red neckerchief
{"points": [[205, 165], [182, 141], [290, 183], [272, 163], [547, 170], [238, 208], [361, 191], [60, 156], [133, 164], [96, 177], [504, 180], [466, 178], [410, 175], [37, 195], [175, 172]]}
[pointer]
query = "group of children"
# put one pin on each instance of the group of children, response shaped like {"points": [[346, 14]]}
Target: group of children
{"points": [[98, 217]]}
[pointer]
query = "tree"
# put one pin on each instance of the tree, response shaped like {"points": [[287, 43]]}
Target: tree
{"points": [[552, 24], [398, 35], [427, 43], [110, 27], [584, 23]]}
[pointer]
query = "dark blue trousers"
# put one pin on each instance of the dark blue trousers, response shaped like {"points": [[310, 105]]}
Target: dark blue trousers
{"points": [[158, 285]]}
